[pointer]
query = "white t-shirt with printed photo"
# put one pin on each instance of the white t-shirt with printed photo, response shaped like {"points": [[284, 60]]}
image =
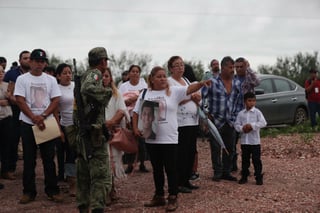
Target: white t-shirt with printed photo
{"points": [[167, 131], [37, 91]]}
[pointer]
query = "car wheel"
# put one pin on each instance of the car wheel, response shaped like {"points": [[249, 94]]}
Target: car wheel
{"points": [[300, 116]]}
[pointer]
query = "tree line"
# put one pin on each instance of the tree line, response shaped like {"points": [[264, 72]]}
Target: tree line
{"points": [[295, 67]]}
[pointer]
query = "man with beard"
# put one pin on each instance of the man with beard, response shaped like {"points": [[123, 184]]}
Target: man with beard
{"points": [[214, 72], [8, 170]]}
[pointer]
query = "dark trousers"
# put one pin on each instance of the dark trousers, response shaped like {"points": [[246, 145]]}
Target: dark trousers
{"points": [[5, 143], [164, 156], [29, 157], [142, 153], [187, 147], [223, 166], [12, 149], [65, 154], [314, 108], [253, 151]]}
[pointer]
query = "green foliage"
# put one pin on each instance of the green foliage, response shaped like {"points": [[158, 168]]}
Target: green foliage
{"points": [[305, 131], [126, 59], [295, 68]]}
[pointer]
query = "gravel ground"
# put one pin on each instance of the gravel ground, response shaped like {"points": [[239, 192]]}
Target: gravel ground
{"points": [[291, 184]]}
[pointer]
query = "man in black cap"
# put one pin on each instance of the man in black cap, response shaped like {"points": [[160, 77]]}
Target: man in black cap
{"points": [[31, 115]]}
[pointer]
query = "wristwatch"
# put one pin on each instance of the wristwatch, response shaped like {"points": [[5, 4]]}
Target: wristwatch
{"points": [[44, 115]]}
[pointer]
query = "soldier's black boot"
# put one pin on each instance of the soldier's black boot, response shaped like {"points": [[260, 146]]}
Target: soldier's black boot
{"points": [[83, 209], [259, 179], [97, 211]]}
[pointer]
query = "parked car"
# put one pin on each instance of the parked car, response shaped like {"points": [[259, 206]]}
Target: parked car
{"points": [[281, 100]]}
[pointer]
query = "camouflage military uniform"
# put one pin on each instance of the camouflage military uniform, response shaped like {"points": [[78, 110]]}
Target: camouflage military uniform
{"points": [[93, 175]]}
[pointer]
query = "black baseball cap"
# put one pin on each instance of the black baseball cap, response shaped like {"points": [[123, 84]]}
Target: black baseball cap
{"points": [[38, 54]]}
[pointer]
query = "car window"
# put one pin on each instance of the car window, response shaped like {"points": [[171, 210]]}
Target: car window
{"points": [[266, 85], [282, 85]]}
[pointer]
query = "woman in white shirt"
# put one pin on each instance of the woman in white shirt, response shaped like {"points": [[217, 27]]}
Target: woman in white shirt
{"points": [[188, 121], [163, 149], [64, 76], [130, 91], [115, 116]]}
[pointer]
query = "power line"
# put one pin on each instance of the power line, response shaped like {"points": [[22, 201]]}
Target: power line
{"points": [[161, 12]]}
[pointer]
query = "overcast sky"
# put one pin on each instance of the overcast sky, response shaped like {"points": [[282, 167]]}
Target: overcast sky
{"points": [[202, 30]]}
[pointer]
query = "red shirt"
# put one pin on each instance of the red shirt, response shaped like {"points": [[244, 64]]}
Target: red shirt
{"points": [[314, 94]]}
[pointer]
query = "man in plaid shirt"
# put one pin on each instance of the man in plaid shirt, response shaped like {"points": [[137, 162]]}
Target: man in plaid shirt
{"points": [[224, 100]]}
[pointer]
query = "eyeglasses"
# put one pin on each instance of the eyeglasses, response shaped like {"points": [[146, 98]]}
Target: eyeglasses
{"points": [[177, 65]]}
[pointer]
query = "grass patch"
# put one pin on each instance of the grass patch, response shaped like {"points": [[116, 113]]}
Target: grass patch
{"points": [[305, 130]]}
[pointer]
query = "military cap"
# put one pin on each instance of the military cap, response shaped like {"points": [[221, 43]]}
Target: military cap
{"points": [[98, 53], [38, 54]]}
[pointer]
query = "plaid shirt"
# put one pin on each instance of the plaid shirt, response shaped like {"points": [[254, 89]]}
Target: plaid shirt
{"points": [[223, 107], [249, 81]]}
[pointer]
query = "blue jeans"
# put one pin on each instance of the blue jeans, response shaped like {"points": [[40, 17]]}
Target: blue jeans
{"points": [[314, 108], [29, 157], [223, 166]]}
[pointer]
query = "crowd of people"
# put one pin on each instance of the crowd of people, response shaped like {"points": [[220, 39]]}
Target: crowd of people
{"points": [[89, 109]]}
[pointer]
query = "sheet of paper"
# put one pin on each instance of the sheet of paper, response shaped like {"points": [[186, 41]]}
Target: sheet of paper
{"points": [[51, 131]]}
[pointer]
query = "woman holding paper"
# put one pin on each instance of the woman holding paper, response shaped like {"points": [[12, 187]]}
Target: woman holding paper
{"points": [[163, 150]]}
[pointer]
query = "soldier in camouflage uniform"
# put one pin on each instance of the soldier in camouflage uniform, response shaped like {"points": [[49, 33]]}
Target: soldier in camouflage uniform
{"points": [[93, 172]]}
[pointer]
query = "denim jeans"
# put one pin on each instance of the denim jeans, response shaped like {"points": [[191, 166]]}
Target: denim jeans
{"points": [[314, 108], [29, 157], [223, 166]]}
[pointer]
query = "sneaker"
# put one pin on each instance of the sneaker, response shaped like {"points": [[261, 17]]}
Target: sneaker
{"points": [[183, 189], [172, 203], [129, 169], [194, 176], [157, 200], [243, 180], [229, 177], [191, 186], [26, 199], [8, 176], [142, 168], [55, 198]]}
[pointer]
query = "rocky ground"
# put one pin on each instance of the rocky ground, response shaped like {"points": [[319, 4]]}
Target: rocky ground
{"points": [[291, 184]]}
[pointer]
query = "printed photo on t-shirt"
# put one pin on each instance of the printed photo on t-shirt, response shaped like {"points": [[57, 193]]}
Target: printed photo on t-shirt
{"points": [[148, 119], [38, 96]]}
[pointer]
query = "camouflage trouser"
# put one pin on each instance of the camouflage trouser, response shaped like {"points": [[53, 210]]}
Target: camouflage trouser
{"points": [[93, 179]]}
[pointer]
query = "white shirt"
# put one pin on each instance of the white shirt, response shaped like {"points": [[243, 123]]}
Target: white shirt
{"points": [[127, 90], [66, 104], [167, 131], [187, 112], [114, 105], [28, 86], [254, 117]]}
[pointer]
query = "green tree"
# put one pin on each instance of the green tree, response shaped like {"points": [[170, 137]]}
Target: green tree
{"points": [[126, 59], [295, 68]]}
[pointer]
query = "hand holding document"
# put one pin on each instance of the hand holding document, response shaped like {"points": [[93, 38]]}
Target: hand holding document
{"points": [[51, 131]]}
